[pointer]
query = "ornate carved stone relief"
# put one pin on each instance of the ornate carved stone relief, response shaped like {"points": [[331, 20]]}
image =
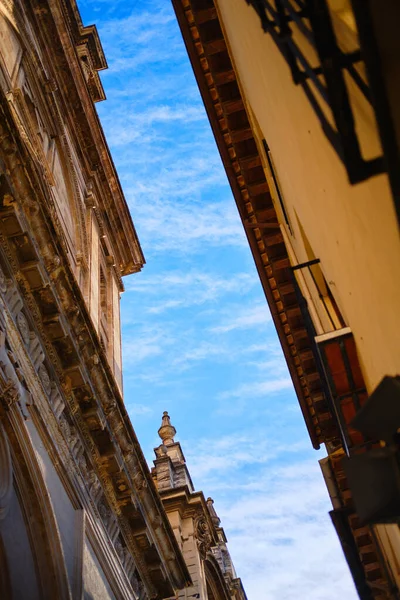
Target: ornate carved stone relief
{"points": [[202, 535], [3, 282], [94, 485], [8, 389], [23, 327], [28, 122], [45, 379]]}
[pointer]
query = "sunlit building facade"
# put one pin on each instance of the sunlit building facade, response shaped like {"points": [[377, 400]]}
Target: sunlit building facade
{"points": [[303, 100], [81, 516]]}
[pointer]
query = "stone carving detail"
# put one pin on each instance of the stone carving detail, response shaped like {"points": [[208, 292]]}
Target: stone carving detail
{"points": [[74, 442], [35, 350], [139, 480], [109, 521], [119, 550], [26, 126], [224, 560], [202, 535], [213, 514], [13, 299], [127, 561], [9, 393], [57, 401], [104, 512], [17, 368], [113, 529], [3, 282], [23, 328], [6, 476], [94, 485], [109, 407], [45, 379], [64, 426]]}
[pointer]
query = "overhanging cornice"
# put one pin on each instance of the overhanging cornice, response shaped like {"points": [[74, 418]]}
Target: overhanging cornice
{"points": [[61, 23]]}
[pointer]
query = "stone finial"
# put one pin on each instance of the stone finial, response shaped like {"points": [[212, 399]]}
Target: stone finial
{"points": [[166, 431], [213, 514]]}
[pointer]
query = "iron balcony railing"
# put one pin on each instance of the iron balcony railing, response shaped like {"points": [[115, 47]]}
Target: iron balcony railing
{"points": [[323, 83]]}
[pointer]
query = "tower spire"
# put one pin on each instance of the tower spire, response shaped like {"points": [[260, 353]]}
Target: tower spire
{"points": [[166, 431], [213, 513]]}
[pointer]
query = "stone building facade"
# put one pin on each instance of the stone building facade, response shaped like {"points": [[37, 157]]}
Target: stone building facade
{"points": [[80, 516], [195, 523]]}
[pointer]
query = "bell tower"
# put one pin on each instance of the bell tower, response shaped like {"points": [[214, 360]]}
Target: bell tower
{"points": [[195, 523]]}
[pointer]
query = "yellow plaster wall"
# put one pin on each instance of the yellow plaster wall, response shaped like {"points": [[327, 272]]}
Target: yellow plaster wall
{"points": [[352, 229]]}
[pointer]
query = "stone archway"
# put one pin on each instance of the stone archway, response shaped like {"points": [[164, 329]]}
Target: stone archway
{"points": [[216, 586], [30, 547]]}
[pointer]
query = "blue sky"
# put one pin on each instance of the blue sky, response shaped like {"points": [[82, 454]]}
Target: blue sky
{"points": [[198, 339]]}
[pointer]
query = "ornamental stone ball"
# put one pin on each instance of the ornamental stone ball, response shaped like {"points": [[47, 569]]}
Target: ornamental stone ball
{"points": [[166, 431]]}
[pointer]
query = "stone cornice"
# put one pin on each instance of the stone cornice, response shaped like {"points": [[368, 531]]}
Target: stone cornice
{"points": [[210, 539], [189, 504], [54, 20]]}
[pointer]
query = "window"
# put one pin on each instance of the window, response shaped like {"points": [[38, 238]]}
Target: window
{"points": [[320, 291], [277, 189]]}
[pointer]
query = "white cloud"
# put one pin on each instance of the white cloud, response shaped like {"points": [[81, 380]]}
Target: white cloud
{"points": [[180, 289], [283, 539], [144, 342], [139, 409], [259, 388], [238, 400], [171, 225], [274, 507], [143, 126], [208, 458], [251, 317], [201, 351]]}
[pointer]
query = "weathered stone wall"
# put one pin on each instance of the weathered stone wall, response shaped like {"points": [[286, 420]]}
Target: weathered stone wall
{"points": [[88, 520]]}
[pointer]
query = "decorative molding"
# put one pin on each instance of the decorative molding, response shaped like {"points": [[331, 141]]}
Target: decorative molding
{"points": [[202, 534]]}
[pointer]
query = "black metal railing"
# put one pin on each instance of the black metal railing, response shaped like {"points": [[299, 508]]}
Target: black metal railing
{"points": [[323, 83]]}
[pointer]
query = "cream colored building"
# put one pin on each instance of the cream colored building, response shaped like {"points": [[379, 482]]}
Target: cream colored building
{"points": [[304, 110]]}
